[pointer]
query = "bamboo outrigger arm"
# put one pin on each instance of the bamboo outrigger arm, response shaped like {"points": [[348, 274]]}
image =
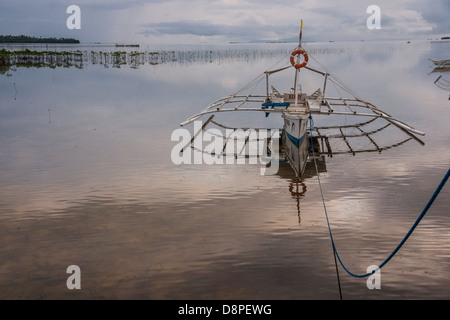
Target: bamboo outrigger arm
{"points": [[316, 103], [330, 104]]}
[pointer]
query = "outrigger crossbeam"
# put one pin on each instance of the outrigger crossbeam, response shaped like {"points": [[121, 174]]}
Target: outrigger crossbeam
{"points": [[317, 103]]}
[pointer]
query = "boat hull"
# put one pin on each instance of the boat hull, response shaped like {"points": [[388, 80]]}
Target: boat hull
{"points": [[295, 127], [441, 64]]}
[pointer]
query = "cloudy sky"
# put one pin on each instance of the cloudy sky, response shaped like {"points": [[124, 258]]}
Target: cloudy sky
{"points": [[195, 21]]}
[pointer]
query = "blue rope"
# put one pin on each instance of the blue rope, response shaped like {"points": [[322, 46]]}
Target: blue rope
{"points": [[430, 202]]}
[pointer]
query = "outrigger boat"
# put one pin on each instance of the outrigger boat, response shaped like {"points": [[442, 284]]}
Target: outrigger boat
{"points": [[297, 107], [441, 64]]}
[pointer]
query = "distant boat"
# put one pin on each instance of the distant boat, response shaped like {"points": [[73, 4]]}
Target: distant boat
{"points": [[119, 45], [442, 40]]}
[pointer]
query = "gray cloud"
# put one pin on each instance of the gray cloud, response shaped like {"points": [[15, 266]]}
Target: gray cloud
{"points": [[435, 12], [249, 30], [220, 20]]}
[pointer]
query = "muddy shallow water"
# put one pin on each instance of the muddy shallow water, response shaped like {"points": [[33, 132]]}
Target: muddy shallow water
{"points": [[86, 179]]}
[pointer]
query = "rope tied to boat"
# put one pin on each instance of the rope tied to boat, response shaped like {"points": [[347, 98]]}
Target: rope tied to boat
{"points": [[394, 252]]}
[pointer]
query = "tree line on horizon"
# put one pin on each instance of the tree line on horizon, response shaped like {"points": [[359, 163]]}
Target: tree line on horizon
{"points": [[28, 39]]}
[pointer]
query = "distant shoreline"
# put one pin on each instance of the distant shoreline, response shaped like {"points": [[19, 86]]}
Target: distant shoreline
{"points": [[28, 39]]}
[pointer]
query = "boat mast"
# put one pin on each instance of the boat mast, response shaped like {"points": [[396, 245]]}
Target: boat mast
{"points": [[298, 61]]}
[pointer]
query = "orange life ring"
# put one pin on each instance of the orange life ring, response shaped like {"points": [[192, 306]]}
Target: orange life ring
{"points": [[305, 56]]}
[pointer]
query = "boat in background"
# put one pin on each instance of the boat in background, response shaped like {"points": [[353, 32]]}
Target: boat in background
{"points": [[441, 64]]}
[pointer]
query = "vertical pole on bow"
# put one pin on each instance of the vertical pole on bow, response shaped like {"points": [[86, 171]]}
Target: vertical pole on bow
{"points": [[300, 37], [298, 61]]}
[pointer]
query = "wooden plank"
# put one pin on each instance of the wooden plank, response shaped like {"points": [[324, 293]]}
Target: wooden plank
{"points": [[348, 106], [329, 106], [198, 132]]}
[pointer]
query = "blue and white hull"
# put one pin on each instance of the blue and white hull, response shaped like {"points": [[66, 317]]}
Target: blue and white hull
{"points": [[296, 142], [295, 127]]}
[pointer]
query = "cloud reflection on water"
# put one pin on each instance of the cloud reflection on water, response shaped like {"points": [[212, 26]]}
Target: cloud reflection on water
{"points": [[96, 186]]}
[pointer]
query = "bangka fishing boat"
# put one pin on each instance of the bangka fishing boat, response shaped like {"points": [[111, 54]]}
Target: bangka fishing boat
{"points": [[441, 64], [297, 107]]}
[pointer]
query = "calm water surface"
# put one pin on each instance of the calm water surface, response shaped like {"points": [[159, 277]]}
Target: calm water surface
{"points": [[87, 179]]}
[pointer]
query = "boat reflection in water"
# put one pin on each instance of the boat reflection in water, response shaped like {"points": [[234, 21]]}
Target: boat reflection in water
{"points": [[441, 66], [299, 165]]}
